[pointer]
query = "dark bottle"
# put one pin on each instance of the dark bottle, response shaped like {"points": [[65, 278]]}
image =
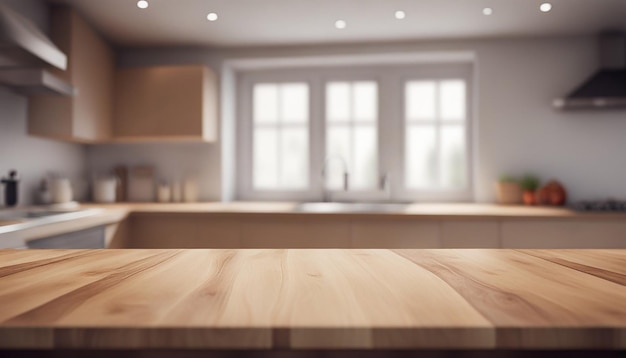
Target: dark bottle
{"points": [[10, 188]]}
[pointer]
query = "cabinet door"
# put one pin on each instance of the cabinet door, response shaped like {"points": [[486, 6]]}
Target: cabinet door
{"points": [[601, 234], [395, 234], [175, 102], [86, 116], [183, 232], [84, 239], [93, 75], [295, 233], [470, 234]]}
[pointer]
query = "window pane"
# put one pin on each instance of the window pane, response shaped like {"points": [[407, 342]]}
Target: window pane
{"points": [[421, 157], [338, 149], [337, 101], [453, 157], [365, 101], [294, 102], [265, 98], [452, 100], [294, 151], [364, 172], [265, 158], [420, 100]]}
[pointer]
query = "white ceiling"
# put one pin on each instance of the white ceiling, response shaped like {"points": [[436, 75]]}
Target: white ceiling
{"points": [[265, 22]]}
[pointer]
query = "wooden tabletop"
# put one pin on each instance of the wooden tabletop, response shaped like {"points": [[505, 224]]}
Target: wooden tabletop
{"points": [[313, 299]]}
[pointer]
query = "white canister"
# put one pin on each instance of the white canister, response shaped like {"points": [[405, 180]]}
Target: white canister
{"points": [[190, 190], [61, 190], [105, 190], [164, 193]]}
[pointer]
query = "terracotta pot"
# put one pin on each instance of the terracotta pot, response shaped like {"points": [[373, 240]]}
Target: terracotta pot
{"points": [[557, 198], [553, 194], [530, 197], [509, 193]]}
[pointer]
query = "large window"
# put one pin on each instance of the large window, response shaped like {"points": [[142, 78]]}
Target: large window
{"points": [[401, 133], [435, 147], [281, 136], [352, 134]]}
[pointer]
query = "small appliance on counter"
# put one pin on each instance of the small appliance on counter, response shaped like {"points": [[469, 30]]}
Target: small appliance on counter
{"points": [[11, 188], [609, 205]]}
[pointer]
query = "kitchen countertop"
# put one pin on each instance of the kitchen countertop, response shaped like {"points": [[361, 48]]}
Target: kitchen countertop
{"points": [[16, 233], [313, 299], [421, 210], [114, 213]]}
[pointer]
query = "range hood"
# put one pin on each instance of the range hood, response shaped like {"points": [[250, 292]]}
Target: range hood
{"points": [[24, 53], [607, 87]]}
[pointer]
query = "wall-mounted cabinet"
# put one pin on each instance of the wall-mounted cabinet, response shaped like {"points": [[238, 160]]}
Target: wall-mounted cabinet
{"points": [[87, 116], [165, 103]]}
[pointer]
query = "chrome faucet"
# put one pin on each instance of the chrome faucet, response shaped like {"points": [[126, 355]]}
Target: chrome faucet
{"points": [[385, 185], [346, 176]]}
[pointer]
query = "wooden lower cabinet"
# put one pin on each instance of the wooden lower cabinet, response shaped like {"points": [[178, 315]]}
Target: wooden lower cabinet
{"points": [[198, 231], [165, 231], [599, 234], [183, 232], [395, 234], [470, 234], [296, 233], [117, 235]]}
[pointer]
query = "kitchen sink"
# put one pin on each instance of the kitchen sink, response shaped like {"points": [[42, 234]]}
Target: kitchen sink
{"points": [[337, 207], [43, 214], [12, 220], [22, 215]]}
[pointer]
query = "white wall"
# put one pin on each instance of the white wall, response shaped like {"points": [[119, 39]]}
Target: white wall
{"points": [[31, 157], [518, 130]]}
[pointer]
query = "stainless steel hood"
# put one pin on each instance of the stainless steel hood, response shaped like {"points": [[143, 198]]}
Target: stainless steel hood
{"points": [[25, 51], [607, 87]]}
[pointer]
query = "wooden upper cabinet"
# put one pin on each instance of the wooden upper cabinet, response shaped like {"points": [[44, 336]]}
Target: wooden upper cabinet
{"points": [[165, 103], [87, 116]]}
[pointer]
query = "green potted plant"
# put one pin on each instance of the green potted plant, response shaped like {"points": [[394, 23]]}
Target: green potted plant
{"points": [[508, 190], [529, 185]]}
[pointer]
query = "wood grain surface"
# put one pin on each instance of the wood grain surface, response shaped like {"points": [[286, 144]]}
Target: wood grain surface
{"points": [[313, 299]]}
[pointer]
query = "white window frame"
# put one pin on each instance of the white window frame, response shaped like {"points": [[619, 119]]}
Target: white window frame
{"points": [[352, 75], [391, 81], [437, 73], [245, 185]]}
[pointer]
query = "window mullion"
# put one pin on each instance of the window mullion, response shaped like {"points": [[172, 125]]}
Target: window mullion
{"points": [[350, 161], [279, 133], [317, 135], [438, 144]]}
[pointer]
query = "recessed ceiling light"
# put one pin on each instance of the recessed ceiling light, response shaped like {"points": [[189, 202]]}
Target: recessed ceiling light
{"points": [[340, 24], [545, 7], [212, 16], [400, 14], [142, 4], [487, 11]]}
